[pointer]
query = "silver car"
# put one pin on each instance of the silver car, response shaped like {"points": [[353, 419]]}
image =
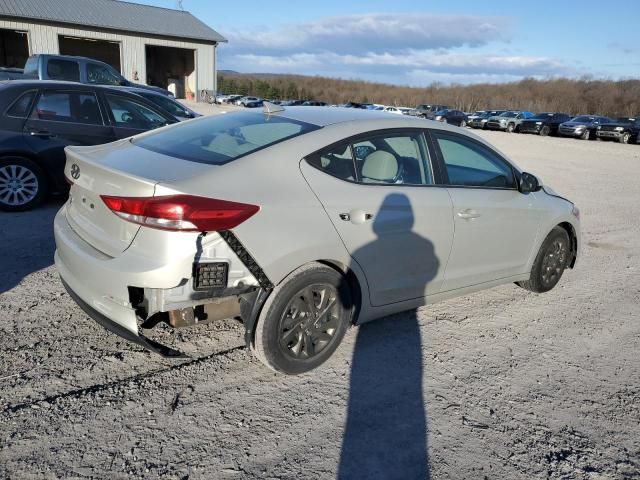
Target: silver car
{"points": [[307, 220]]}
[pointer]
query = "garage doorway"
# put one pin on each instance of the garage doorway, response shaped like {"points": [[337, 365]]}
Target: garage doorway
{"points": [[14, 48], [103, 50], [171, 68]]}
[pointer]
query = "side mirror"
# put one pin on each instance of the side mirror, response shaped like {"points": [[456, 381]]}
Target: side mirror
{"points": [[528, 183]]}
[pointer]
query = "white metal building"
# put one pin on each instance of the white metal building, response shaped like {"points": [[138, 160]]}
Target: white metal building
{"points": [[146, 44]]}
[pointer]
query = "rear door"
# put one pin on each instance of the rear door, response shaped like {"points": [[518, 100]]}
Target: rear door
{"points": [[132, 116], [64, 117], [495, 225], [379, 193]]}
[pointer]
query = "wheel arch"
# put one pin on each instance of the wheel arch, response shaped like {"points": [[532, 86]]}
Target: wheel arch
{"points": [[573, 237], [355, 289]]}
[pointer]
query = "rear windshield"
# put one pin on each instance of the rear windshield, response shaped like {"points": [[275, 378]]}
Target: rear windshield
{"points": [[219, 139]]}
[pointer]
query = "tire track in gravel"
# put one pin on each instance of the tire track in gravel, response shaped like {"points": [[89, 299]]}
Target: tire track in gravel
{"points": [[133, 379]]}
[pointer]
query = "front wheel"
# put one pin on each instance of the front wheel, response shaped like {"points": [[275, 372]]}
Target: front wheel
{"points": [[304, 320], [510, 128], [550, 263], [544, 131], [624, 138], [586, 135], [463, 123], [22, 184]]}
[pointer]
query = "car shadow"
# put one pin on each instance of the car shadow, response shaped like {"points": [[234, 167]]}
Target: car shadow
{"points": [[27, 243], [385, 435]]}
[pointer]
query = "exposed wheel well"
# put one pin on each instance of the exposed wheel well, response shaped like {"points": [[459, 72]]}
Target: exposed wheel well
{"points": [[352, 281], [574, 241]]}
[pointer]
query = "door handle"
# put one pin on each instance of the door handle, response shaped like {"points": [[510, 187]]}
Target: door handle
{"points": [[356, 216], [468, 214], [41, 133]]}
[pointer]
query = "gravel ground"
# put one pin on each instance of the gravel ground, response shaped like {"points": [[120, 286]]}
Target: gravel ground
{"points": [[502, 384]]}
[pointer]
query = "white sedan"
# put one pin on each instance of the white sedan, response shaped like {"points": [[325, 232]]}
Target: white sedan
{"points": [[311, 219]]}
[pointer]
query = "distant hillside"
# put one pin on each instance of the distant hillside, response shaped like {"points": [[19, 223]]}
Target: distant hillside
{"points": [[573, 96]]}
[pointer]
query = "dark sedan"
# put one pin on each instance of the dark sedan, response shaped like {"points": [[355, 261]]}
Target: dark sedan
{"points": [[544, 124], [582, 126], [454, 117], [40, 118]]}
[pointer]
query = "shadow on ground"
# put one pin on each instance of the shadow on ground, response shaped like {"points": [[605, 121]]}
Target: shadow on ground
{"points": [[28, 242]]}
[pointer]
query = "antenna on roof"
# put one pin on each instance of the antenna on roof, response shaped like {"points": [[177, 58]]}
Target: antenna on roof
{"points": [[269, 108]]}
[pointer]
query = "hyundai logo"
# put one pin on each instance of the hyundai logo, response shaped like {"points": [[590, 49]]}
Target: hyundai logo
{"points": [[75, 171]]}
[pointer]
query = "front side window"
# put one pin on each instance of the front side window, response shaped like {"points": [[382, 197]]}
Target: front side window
{"points": [[220, 139], [129, 114], [393, 158], [471, 164], [70, 107], [63, 70], [102, 75]]}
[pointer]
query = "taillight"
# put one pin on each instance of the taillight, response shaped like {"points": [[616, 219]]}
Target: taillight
{"points": [[181, 212]]}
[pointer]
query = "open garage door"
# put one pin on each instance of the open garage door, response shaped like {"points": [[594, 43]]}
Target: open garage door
{"points": [[103, 50], [14, 48], [171, 68]]}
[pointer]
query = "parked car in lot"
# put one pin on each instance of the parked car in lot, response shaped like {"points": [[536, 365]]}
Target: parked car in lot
{"points": [[242, 102], [544, 124], [428, 110], [508, 121], [78, 69], [622, 129], [254, 104], [292, 103], [474, 115], [40, 118], [480, 121], [314, 103], [231, 99], [168, 104], [394, 110], [454, 117], [582, 126], [365, 238], [11, 73]]}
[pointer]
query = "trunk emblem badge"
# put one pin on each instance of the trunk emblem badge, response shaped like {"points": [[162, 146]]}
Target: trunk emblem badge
{"points": [[75, 171]]}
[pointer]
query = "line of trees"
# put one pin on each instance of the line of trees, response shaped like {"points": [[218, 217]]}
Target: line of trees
{"points": [[574, 96]]}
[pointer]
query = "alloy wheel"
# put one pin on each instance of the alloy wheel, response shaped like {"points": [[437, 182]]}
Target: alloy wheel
{"points": [[18, 185], [310, 321], [554, 262]]}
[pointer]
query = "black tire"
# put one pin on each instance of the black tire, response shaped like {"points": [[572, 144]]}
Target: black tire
{"points": [[545, 131], [286, 337], [511, 128], [550, 263], [586, 135], [463, 123], [210, 99], [29, 182], [625, 137]]}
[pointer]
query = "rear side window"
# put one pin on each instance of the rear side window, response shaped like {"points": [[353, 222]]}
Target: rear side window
{"points": [[70, 107], [220, 139], [336, 161], [63, 70], [21, 106], [130, 114], [102, 75], [470, 164]]}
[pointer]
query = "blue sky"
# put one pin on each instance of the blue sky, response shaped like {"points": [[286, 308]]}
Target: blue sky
{"points": [[411, 42]]}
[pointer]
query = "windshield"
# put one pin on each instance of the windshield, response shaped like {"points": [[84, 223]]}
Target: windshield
{"points": [[220, 139], [509, 114], [171, 106], [542, 116], [583, 119]]}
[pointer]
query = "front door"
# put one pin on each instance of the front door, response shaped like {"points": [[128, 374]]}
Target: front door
{"points": [[61, 118], [378, 192], [495, 225]]}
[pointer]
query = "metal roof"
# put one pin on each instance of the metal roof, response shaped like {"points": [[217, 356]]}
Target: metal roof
{"points": [[113, 15]]}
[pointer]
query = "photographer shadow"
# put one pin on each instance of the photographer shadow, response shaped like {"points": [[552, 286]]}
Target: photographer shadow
{"points": [[386, 429]]}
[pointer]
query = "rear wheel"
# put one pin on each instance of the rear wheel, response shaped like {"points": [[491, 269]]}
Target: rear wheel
{"points": [[304, 320], [550, 262], [624, 138], [22, 184], [544, 131]]}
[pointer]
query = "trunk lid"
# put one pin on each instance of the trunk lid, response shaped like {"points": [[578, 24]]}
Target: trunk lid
{"points": [[118, 169]]}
